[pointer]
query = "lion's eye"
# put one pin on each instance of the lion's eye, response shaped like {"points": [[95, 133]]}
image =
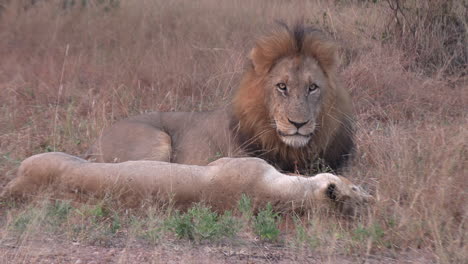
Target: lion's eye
{"points": [[282, 87], [313, 87]]}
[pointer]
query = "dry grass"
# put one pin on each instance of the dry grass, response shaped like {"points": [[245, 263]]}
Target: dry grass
{"points": [[65, 73]]}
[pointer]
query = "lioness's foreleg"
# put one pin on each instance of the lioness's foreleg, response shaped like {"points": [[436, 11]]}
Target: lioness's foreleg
{"points": [[220, 184]]}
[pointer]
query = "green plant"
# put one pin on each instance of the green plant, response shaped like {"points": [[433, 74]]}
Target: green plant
{"points": [[29, 219], [23, 220], [153, 235], [115, 224], [181, 225], [245, 206], [266, 224], [59, 210], [200, 223], [229, 225], [95, 223], [97, 211], [204, 221], [149, 226], [374, 231], [302, 237], [217, 156]]}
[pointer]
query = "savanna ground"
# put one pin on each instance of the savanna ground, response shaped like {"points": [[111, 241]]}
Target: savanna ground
{"points": [[70, 68]]}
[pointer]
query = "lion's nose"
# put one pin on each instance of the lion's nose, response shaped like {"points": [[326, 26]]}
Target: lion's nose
{"points": [[297, 124]]}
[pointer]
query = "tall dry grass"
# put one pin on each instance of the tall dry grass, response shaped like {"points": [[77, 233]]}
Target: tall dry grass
{"points": [[67, 71]]}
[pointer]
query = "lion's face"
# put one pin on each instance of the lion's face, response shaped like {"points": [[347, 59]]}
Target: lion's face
{"points": [[295, 88]]}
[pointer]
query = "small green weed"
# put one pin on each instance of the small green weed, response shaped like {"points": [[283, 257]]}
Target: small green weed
{"points": [[374, 231], [302, 236], [59, 210], [149, 226], [22, 222], [200, 223], [266, 224], [229, 225], [97, 211], [181, 225], [115, 224], [217, 156], [205, 222], [28, 220], [95, 223], [153, 235], [245, 206]]}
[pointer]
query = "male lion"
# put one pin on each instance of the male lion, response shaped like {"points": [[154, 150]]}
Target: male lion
{"points": [[288, 110]]}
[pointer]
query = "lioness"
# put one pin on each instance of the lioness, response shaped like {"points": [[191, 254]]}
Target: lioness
{"points": [[288, 110], [220, 184]]}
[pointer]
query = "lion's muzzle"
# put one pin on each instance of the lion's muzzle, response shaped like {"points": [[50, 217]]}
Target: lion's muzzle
{"points": [[295, 134]]}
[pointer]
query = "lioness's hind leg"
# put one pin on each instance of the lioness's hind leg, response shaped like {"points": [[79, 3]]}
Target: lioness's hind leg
{"points": [[131, 141]]}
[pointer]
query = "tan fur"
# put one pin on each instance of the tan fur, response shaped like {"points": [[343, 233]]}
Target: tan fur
{"points": [[257, 122], [219, 184], [253, 114]]}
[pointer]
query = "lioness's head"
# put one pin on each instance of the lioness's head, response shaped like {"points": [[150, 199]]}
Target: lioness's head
{"points": [[295, 68]]}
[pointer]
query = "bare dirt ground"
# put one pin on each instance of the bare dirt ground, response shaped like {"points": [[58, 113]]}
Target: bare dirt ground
{"points": [[49, 250]]}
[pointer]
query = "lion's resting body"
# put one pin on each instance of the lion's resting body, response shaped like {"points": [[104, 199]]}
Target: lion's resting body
{"points": [[288, 110], [195, 138], [219, 184]]}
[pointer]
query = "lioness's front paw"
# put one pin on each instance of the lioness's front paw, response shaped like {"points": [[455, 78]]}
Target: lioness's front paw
{"points": [[342, 193]]}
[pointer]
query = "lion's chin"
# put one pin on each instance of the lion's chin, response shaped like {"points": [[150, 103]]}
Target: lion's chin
{"points": [[295, 141]]}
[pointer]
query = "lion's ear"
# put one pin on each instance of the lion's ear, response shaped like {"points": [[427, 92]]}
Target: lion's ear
{"points": [[259, 61], [325, 52]]}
